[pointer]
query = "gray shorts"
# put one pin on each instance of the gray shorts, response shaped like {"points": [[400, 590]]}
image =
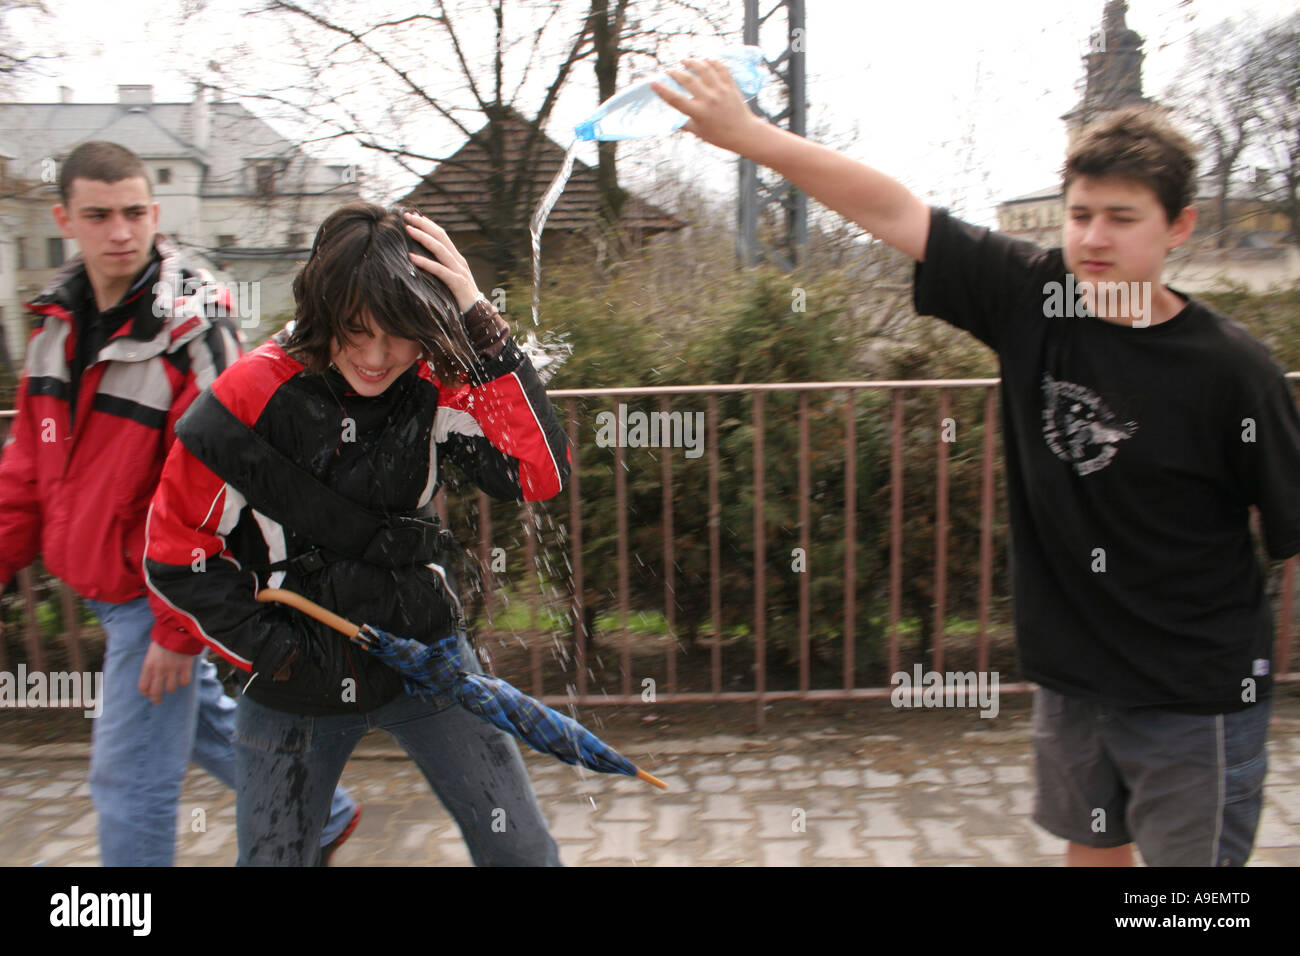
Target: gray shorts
{"points": [[1186, 788]]}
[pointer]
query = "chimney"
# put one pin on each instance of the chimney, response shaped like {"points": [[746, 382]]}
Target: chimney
{"points": [[65, 94], [135, 94], [199, 118]]}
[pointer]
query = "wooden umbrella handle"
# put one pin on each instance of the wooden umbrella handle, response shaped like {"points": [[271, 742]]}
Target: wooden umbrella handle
{"points": [[310, 608], [650, 778]]}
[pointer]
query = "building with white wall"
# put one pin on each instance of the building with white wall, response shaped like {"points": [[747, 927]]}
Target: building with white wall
{"points": [[229, 186]]}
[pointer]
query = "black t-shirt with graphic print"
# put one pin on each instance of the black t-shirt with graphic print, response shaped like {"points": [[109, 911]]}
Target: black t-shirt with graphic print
{"points": [[1132, 457]]}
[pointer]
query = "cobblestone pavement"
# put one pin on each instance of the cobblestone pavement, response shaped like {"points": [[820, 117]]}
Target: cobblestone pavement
{"points": [[813, 798]]}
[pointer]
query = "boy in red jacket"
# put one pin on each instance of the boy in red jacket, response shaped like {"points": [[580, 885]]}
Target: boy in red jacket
{"points": [[119, 354]]}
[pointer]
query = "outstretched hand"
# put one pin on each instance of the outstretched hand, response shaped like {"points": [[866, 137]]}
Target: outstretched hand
{"points": [[718, 113], [447, 263]]}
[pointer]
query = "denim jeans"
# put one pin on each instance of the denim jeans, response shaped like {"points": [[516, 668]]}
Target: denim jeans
{"points": [[139, 750], [288, 763]]}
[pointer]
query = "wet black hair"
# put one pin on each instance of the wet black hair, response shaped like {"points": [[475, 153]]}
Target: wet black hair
{"points": [[359, 267]]}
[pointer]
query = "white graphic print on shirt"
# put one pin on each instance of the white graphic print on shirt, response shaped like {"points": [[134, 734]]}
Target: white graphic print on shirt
{"points": [[1079, 427]]}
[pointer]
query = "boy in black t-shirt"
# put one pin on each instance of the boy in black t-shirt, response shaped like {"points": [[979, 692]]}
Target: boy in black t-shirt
{"points": [[1139, 428]]}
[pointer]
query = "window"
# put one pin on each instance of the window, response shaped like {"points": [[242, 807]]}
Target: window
{"points": [[164, 175], [54, 248], [225, 242], [263, 181], [21, 251], [297, 240]]}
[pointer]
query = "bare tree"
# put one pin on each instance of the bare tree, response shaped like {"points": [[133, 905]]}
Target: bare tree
{"points": [[1241, 91], [416, 81], [16, 61], [407, 80], [1275, 57], [1219, 92], [618, 33]]}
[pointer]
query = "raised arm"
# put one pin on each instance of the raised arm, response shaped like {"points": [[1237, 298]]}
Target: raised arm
{"points": [[500, 429], [718, 115], [503, 432]]}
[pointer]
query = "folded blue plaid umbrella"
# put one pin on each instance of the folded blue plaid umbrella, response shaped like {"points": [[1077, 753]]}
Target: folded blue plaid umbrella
{"points": [[437, 668]]}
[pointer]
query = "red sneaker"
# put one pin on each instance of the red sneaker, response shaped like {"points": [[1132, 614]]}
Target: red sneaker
{"points": [[328, 849]]}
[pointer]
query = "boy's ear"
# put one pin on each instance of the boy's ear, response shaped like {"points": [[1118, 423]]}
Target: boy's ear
{"points": [[1181, 228], [61, 219]]}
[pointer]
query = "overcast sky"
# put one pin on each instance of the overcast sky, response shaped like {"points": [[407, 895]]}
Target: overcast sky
{"points": [[962, 101]]}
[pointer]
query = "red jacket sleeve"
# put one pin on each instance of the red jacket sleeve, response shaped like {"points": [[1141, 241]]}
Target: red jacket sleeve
{"points": [[20, 503], [503, 432], [210, 355], [184, 536], [197, 586]]}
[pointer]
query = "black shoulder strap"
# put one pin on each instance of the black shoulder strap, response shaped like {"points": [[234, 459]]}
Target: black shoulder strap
{"points": [[289, 494]]}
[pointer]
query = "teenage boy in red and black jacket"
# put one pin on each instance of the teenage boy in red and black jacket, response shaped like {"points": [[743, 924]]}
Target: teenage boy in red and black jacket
{"points": [[126, 337], [310, 465], [387, 452]]}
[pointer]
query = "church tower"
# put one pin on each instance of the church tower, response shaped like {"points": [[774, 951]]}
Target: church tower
{"points": [[1113, 71]]}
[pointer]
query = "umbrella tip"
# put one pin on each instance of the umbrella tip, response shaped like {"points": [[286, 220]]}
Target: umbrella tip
{"points": [[651, 779]]}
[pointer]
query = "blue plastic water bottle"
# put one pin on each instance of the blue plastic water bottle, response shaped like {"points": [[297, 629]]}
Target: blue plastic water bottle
{"points": [[638, 111]]}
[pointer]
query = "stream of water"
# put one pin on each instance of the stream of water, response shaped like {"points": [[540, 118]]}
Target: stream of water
{"points": [[538, 222]]}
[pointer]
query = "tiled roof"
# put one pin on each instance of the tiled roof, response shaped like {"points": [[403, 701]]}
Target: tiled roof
{"points": [[465, 177]]}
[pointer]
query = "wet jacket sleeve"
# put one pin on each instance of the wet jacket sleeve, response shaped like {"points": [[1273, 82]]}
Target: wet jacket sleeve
{"points": [[502, 431], [197, 591], [209, 355], [199, 586], [20, 504]]}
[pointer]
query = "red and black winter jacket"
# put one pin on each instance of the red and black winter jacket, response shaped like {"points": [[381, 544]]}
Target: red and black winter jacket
{"points": [[75, 484], [210, 547]]}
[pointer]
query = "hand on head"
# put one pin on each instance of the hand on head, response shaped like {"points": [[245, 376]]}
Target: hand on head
{"points": [[447, 263]]}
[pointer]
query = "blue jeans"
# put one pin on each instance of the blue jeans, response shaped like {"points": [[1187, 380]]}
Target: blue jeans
{"points": [[139, 750], [288, 763]]}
